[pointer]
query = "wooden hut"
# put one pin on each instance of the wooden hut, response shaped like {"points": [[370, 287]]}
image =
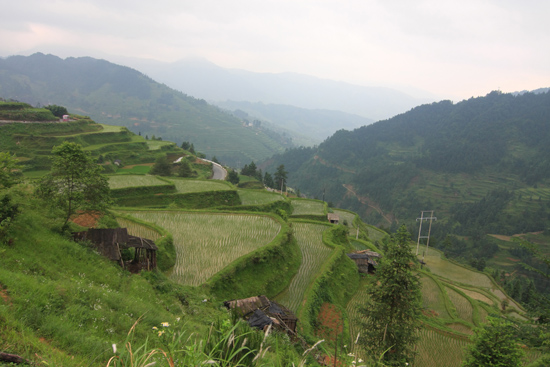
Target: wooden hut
{"points": [[111, 241], [260, 312], [365, 260], [333, 218], [106, 241], [145, 254]]}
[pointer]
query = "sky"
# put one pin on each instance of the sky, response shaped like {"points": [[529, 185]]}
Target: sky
{"points": [[450, 49]]}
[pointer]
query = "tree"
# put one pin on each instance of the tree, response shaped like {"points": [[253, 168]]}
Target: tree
{"points": [[75, 181], [8, 212], [9, 170], [184, 169], [281, 177], [249, 170], [162, 167], [494, 344], [57, 111], [268, 180], [394, 305], [185, 145], [233, 177]]}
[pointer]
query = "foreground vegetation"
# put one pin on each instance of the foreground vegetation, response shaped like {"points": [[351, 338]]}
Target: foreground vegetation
{"points": [[63, 304]]}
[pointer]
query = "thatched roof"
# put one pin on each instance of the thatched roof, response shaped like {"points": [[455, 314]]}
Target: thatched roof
{"points": [[248, 305], [258, 308], [365, 257], [333, 217], [369, 253]]}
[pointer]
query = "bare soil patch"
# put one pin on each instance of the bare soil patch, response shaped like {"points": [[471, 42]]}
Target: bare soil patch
{"points": [[4, 295], [330, 319], [88, 219], [136, 165]]}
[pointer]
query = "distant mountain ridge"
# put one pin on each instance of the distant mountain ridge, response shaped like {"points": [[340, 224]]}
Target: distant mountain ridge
{"points": [[203, 79], [450, 157], [119, 95], [308, 127]]}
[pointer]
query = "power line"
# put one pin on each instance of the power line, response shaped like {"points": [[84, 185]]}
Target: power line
{"points": [[423, 218]]}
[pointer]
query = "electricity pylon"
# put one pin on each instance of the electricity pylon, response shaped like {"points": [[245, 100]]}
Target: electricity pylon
{"points": [[421, 219]]}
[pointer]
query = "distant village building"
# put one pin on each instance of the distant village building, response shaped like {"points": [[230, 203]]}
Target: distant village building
{"points": [[366, 260], [65, 118], [333, 218]]}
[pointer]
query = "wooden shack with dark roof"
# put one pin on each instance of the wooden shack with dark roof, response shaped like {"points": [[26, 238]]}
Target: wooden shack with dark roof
{"points": [[365, 260], [110, 242], [260, 312]]}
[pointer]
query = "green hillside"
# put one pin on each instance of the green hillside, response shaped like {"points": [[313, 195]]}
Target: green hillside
{"points": [[63, 304], [118, 95], [482, 165]]}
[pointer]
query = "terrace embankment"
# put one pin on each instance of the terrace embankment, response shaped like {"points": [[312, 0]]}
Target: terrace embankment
{"points": [[267, 270]]}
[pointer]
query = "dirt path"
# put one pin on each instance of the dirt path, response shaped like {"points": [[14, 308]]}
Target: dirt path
{"points": [[509, 238], [325, 163], [366, 201]]}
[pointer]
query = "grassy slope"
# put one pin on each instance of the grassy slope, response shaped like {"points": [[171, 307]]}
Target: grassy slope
{"points": [[459, 297], [119, 95], [62, 301]]}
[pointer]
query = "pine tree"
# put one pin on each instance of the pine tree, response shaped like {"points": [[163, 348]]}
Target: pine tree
{"points": [[394, 305], [268, 180], [281, 177]]}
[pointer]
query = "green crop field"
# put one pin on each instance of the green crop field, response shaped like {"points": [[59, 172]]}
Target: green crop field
{"points": [[436, 349], [345, 216], [206, 243], [157, 144], [314, 254], [449, 270], [477, 296], [375, 234], [253, 197], [355, 317], [462, 305], [122, 181], [138, 169], [187, 185], [433, 298], [139, 230], [304, 207]]}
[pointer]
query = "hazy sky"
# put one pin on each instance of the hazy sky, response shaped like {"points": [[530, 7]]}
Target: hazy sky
{"points": [[454, 49]]}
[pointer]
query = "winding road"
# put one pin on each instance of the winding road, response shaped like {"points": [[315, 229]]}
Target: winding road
{"points": [[218, 172]]}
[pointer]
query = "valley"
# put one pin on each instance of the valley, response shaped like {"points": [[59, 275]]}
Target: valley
{"points": [[218, 241]]}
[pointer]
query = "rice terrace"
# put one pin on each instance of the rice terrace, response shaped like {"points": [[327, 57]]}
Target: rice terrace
{"points": [[218, 241], [206, 243]]}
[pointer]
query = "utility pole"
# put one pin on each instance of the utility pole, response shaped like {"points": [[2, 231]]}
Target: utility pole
{"points": [[422, 218]]}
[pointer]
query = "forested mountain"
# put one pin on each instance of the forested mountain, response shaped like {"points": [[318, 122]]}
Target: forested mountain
{"points": [[307, 126], [118, 95], [483, 164]]}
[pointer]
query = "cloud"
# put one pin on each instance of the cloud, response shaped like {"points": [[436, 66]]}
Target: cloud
{"points": [[451, 48]]}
